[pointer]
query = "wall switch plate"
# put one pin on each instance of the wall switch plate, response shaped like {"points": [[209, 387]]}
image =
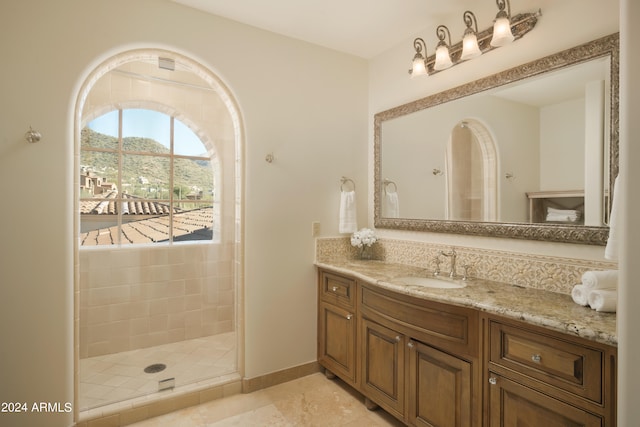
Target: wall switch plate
{"points": [[315, 229]]}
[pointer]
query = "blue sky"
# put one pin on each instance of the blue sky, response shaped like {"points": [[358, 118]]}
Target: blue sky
{"points": [[150, 124]]}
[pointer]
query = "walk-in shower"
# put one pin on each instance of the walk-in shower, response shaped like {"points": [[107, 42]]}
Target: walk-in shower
{"points": [[157, 186]]}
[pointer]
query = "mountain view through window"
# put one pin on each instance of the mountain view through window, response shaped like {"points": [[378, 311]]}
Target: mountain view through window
{"points": [[145, 177]]}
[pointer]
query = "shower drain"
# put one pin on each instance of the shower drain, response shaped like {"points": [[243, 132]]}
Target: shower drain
{"points": [[156, 367]]}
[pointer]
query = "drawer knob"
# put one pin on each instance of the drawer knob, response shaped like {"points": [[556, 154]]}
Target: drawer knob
{"points": [[349, 316], [536, 358], [493, 381], [335, 288]]}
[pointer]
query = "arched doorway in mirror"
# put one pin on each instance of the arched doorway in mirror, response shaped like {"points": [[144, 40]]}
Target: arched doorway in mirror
{"points": [[472, 170]]}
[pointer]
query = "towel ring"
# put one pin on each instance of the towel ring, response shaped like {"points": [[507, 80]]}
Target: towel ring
{"points": [[345, 180], [387, 183]]}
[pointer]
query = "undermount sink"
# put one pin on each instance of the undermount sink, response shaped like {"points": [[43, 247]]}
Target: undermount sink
{"points": [[430, 282]]}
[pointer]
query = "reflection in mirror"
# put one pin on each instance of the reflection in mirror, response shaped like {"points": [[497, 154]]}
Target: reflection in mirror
{"points": [[527, 153], [471, 177]]}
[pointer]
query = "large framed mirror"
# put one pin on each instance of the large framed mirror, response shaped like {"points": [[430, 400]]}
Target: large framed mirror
{"points": [[527, 153]]}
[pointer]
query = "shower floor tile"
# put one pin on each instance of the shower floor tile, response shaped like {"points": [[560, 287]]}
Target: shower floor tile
{"points": [[112, 378]]}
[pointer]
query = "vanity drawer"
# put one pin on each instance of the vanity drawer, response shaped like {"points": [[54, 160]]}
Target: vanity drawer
{"points": [[337, 289], [562, 363], [444, 326]]}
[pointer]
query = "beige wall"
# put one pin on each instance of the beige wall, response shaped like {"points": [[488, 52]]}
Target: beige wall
{"points": [[628, 313], [306, 105]]}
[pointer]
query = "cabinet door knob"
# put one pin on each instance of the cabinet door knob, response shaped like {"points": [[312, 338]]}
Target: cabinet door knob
{"points": [[335, 288], [398, 338], [536, 358], [493, 381], [349, 316], [410, 344]]}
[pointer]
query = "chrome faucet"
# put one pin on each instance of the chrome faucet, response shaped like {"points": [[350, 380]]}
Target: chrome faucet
{"points": [[451, 254], [437, 261]]}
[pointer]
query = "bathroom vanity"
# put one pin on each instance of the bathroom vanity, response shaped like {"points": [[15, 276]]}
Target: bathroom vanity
{"points": [[486, 353]]}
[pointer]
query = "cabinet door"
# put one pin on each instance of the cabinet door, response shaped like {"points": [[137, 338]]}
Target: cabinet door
{"points": [[337, 341], [513, 404], [440, 393], [382, 362]]}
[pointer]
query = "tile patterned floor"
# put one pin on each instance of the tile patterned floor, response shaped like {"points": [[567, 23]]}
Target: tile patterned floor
{"points": [[117, 377], [310, 401]]}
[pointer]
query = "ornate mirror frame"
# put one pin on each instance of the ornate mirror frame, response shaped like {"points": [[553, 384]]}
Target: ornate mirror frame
{"points": [[591, 235]]}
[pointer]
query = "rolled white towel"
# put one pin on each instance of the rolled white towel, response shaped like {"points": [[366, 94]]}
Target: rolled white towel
{"points": [[607, 279], [580, 295], [603, 300]]}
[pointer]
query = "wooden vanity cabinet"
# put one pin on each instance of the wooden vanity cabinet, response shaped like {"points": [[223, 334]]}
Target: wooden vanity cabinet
{"points": [[442, 391], [382, 368], [419, 359], [337, 325], [540, 377], [438, 365]]}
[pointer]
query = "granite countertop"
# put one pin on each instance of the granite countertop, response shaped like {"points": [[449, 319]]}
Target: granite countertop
{"points": [[537, 307]]}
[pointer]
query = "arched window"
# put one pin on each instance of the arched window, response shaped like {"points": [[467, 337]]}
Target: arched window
{"points": [[145, 177]]}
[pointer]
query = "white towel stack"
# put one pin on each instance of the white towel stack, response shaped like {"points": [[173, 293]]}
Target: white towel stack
{"points": [[563, 215], [599, 290], [348, 222]]}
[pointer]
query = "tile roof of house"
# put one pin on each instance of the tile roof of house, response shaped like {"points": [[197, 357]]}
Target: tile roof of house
{"points": [[194, 224], [131, 206]]}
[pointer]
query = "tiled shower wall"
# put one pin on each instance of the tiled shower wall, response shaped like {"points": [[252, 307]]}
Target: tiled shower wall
{"points": [[133, 298]]}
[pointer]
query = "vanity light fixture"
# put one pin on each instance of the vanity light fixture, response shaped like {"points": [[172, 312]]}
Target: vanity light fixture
{"points": [[470, 47], [419, 63], [502, 34], [443, 57], [505, 30]]}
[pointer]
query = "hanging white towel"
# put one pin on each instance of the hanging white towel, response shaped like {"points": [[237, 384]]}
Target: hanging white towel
{"points": [[580, 295], [391, 205], [603, 300], [611, 250], [348, 222], [607, 279]]}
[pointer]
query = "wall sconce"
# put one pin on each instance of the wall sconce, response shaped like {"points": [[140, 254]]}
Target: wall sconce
{"points": [[470, 47], [502, 34], [505, 30], [419, 63], [443, 57]]}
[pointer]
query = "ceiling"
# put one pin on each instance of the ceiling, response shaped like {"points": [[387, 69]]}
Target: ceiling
{"points": [[364, 28]]}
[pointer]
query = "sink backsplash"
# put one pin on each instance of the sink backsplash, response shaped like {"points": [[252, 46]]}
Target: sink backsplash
{"points": [[555, 274]]}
